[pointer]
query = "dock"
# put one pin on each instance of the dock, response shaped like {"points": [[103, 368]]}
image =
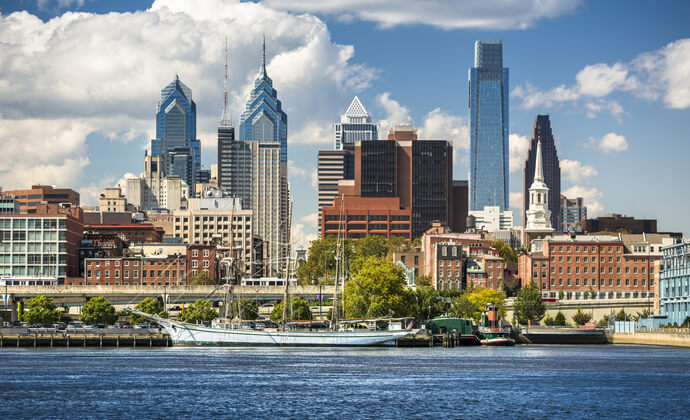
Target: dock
{"points": [[100, 338]]}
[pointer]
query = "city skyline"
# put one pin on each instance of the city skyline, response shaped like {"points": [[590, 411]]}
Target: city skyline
{"points": [[614, 104]]}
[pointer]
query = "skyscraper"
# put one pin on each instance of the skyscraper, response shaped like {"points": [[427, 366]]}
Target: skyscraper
{"points": [[355, 125], [551, 167], [488, 102], [176, 132], [263, 118]]}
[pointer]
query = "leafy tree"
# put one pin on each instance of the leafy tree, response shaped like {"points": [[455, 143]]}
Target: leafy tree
{"points": [[41, 310], [642, 315], [200, 310], [428, 302], [528, 304], [378, 289], [482, 297], [559, 319], [200, 278], [246, 309], [320, 264], [581, 318], [463, 307], [20, 311], [622, 316], [422, 281], [150, 306], [417, 243], [504, 251], [686, 322], [298, 310], [561, 294], [604, 321], [548, 320], [98, 310]]}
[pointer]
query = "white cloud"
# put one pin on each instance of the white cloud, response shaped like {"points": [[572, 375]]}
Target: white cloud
{"points": [[515, 200], [314, 177], [594, 107], [81, 73], [440, 125], [609, 143], [304, 231], [487, 14], [576, 172], [296, 171], [395, 113], [517, 151], [591, 198], [652, 74]]}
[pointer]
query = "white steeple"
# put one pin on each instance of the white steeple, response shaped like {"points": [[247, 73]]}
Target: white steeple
{"points": [[538, 218]]}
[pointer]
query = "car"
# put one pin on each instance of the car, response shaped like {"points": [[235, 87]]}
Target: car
{"points": [[142, 325], [99, 326], [19, 324], [126, 325]]}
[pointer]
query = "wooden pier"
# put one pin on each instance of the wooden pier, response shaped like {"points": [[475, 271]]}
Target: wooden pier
{"points": [[35, 339]]}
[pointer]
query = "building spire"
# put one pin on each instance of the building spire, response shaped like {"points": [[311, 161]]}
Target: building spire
{"points": [[538, 166], [263, 58], [226, 118]]}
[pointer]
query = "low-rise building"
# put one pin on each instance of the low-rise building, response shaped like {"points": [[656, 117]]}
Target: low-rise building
{"points": [[492, 218], [30, 199], [132, 233], [358, 217], [674, 283], [112, 200], [152, 270]]}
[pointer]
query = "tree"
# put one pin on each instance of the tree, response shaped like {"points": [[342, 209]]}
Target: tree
{"points": [[320, 264], [246, 309], [463, 307], [504, 251], [377, 289], [686, 322], [559, 319], [548, 320], [422, 281], [41, 310], [200, 278], [428, 302], [150, 306], [642, 315], [528, 305], [604, 321], [482, 297], [622, 316], [200, 310], [581, 318], [98, 310], [298, 310]]}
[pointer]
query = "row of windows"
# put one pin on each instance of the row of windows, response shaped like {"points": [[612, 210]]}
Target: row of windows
{"points": [[135, 273], [602, 270], [602, 282], [585, 248]]}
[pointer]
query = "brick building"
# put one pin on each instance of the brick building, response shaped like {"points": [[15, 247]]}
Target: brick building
{"points": [[362, 216], [140, 270], [133, 233], [43, 194], [202, 258]]}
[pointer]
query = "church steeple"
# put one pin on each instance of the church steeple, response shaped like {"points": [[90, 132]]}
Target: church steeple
{"points": [[538, 166], [538, 216]]}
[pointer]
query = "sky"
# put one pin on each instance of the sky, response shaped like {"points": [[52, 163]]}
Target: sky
{"points": [[80, 79]]}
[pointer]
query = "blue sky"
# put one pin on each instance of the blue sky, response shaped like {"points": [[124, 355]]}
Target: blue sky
{"points": [[612, 75]]}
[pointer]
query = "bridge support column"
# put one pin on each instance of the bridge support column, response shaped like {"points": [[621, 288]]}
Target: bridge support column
{"points": [[13, 311]]}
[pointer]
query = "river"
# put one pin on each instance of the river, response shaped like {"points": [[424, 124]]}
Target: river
{"points": [[469, 382]]}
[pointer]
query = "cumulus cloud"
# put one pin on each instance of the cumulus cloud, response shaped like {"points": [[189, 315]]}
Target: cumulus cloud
{"points": [[517, 151], [305, 231], [81, 73], [591, 198], [515, 200], [576, 172], [650, 75], [395, 113], [440, 125], [609, 143], [488, 14], [613, 107]]}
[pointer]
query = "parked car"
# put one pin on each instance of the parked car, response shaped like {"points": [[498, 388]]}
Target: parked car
{"points": [[19, 324], [126, 325]]}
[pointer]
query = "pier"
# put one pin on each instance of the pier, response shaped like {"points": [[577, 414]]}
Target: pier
{"points": [[112, 337]]}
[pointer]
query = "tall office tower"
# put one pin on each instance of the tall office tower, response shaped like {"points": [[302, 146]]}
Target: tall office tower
{"points": [[263, 118], [176, 133], [355, 125], [234, 158], [573, 212], [551, 167], [333, 166], [488, 102]]}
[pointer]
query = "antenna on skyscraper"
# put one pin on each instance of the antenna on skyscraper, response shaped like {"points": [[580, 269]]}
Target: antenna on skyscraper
{"points": [[226, 118]]}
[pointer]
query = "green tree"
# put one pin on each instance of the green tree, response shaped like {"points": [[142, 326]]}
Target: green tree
{"points": [[504, 251], [422, 281], [604, 321], [298, 310], [20, 311], [377, 289], [482, 297], [246, 309], [41, 310], [428, 302], [150, 306], [581, 318], [463, 307], [200, 310], [98, 310], [559, 319], [622, 316], [646, 313], [320, 264], [200, 278], [528, 305], [548, 320], [686, 322]]}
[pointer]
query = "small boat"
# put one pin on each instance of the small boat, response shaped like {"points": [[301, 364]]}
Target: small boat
{"points": [[495, 337], [186, 334]]}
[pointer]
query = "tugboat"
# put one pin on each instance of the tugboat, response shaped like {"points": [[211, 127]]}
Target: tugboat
{"points": [[492, 333]]}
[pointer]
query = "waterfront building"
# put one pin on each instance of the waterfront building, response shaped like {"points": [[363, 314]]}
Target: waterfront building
{"points": [[355, 125], [488, 108], [156, 189], [30, 199], [176, 133], [448, 273], [491, 218], [218, 221], [674, 283], [439, 233], [594, 266], [538, 216], [263, 119], [551, 169], [151, 270], [43, 243], [333, 166], [573, 213]]}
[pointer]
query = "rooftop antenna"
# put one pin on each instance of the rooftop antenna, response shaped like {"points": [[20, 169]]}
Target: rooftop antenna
{"points": [[226, 118]]}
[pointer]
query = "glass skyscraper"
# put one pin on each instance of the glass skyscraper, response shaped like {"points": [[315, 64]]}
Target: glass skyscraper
{"points": [[176, 133], [355, 125], [263, 119], [488, 102]]}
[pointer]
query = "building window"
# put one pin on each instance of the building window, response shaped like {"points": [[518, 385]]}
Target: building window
{"points": [[88, 273], [195, 253], [206, 253], [117, 274], [206, 264], [107, 274]]}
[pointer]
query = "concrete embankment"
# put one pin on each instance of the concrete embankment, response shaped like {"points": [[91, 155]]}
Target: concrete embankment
{"points": [[544, 335], [650, 339], [121, 338]]}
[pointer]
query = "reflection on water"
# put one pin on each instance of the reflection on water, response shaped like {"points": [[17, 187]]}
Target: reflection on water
{"points": [[526, 381]]}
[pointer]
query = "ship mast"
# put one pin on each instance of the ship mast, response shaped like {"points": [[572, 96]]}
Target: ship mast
{"points": [[337, 262], [287, 271]]}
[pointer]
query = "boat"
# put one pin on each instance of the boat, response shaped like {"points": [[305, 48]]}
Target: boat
{"points": [[186, 334], [443, 325], [491, 333]]}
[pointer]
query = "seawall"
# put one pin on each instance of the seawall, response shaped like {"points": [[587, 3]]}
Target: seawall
{"points": [[650, 339]]}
